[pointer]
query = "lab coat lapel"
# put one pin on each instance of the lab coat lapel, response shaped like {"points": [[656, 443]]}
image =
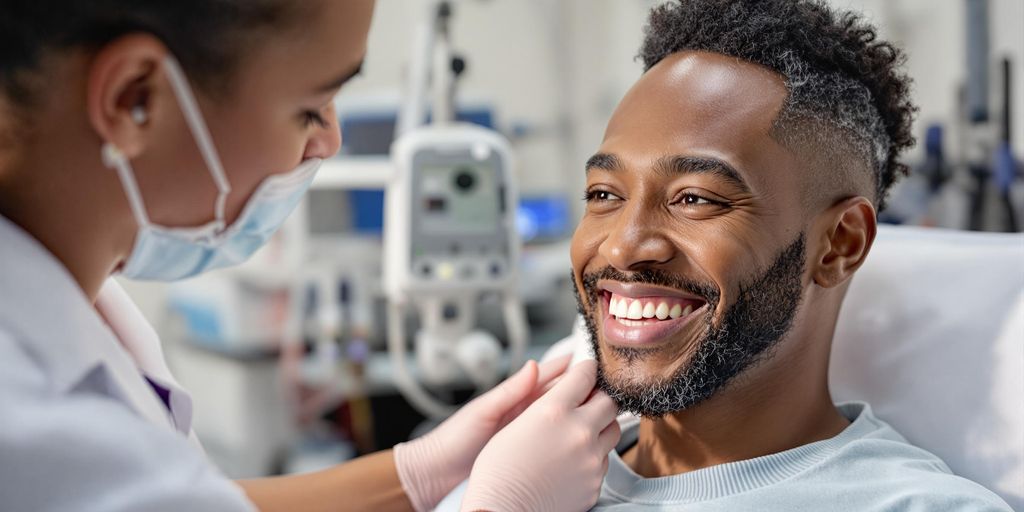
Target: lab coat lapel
{"points": [[138, 337], [130, 381], [54, 322]]}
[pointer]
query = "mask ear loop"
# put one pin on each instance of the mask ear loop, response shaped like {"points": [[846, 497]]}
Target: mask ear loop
{"points": [[113, 158], [194, 118]]}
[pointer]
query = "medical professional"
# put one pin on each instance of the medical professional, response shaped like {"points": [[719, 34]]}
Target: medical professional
{"points": [[158, 140]]}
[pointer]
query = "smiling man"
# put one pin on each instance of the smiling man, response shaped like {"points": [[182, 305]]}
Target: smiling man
{"points": [[732, 199]]}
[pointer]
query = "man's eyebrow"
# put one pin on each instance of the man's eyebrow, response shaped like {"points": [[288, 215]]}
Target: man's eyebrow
{"points": [[685, 164], [338, 82], [604, 161], [675, 165]]}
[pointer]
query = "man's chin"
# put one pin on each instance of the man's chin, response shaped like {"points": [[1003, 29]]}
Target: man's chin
{"points": [[640, 396], [637, 368], [652, 363], [647, 382]]}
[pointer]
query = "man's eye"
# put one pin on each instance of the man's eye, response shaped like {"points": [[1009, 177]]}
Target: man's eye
{"points": [[696, 200], [600, 196]]}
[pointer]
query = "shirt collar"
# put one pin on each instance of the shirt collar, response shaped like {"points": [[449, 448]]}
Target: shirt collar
{"points": [[622, 484]]}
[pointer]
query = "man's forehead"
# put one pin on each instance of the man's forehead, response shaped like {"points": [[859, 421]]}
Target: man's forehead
{"points": [[704, 82], [700, 102]]}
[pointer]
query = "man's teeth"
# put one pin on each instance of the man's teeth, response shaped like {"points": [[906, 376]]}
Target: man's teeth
{"points": [[649, 310], [619, 308], [638, 309], [661, 311], [676, 311]]}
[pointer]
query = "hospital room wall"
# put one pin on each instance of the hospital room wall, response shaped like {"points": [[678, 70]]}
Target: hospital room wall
{"points": [[933, 34]]}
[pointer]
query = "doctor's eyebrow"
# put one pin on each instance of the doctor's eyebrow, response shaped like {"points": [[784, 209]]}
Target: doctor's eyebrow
{"points": [[675, 165], [340, 81]]}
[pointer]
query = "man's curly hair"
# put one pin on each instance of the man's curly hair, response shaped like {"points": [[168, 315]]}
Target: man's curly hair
{"points": [[838, 74]]}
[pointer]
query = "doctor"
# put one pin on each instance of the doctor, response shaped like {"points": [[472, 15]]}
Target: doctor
{"points": [[158, 140]]}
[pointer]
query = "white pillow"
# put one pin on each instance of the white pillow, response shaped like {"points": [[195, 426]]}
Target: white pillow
{"points": [[932, 335]]}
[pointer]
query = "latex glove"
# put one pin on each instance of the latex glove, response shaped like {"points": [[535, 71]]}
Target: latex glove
{"points": [[431, 466], [554, 456]]}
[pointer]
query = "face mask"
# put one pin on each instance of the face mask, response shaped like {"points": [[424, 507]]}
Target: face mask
{"points": [[171, 253]]}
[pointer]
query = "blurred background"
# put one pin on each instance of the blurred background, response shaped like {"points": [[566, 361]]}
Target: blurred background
{"points": [[287, 356]]}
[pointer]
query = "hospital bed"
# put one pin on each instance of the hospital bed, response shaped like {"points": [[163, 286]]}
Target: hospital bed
{"points": [[932, 335]]}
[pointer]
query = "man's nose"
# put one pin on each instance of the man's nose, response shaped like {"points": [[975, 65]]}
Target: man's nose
{"points": [[637, 241]]}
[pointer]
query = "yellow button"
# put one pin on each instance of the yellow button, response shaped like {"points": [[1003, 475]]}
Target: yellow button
{"points": [[445, 270]]}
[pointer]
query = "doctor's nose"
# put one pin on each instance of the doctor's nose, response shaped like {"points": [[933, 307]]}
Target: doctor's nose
{"points": [[324, 142]]}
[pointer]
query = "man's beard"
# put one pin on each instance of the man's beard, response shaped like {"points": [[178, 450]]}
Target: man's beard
{"points": [[760, 317]]}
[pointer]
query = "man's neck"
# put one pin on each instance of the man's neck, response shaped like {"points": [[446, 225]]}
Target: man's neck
{"points": [[745, 420]]}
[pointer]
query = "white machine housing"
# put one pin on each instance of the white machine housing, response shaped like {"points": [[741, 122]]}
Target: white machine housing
{"points": [[432, 242], [450, 236]]}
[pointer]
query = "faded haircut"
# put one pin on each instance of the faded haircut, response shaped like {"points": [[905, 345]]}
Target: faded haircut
{"points": [[848, 107]]}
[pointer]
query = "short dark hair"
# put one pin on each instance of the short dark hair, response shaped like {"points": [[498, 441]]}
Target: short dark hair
{"points": [[837, 73], [206, 36]]}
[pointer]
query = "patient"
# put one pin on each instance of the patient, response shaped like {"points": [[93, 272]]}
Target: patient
{"points": [[732, 199]]}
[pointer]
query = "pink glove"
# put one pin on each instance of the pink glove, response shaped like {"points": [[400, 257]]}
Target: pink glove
{"points": [[431, 466], [554, 456]]}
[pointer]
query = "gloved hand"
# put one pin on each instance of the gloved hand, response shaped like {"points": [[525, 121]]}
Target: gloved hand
{"points": [[554, 456], [431, 466]]}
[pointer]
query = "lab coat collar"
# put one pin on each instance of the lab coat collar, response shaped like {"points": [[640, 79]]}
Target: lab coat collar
{"points": [[138, 337], [51, 317]]}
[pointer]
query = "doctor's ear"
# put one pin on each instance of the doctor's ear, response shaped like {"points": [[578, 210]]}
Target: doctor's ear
{"points": [[121, 83], [844, 232]]}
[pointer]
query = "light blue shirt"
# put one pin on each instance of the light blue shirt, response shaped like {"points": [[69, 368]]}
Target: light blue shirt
{"points": [[80, 427], [868, 467]]}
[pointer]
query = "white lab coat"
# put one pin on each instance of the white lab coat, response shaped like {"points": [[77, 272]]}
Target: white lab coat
{"points": [[80, 427]]}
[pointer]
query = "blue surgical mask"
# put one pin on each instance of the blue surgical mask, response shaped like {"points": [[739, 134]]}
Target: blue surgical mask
{"points": [[170, 253]]}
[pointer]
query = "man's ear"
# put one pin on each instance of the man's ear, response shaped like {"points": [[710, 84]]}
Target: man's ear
{"points": [[120, 90], [845, 232]]}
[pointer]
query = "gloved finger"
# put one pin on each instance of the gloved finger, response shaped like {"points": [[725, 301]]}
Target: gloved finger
{"points": [[609, 437], [575, 385], [552, 369], [599, 410], [509, 393], [549, 372], [548, 387]]}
